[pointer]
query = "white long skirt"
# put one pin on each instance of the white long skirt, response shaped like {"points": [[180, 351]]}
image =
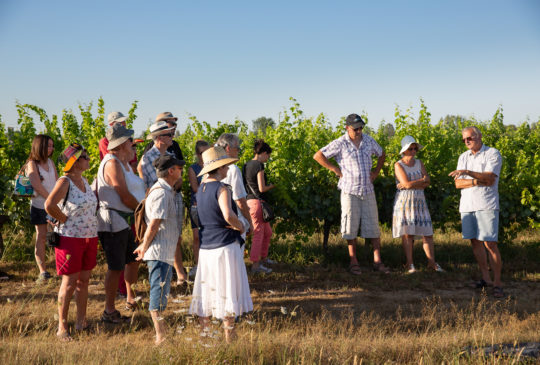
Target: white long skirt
{"points": [[221, 286]]}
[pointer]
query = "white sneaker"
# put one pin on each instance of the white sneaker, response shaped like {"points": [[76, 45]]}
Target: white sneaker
{"points": [[438, 268], [411, 269], [269, 261], [261, 269]]}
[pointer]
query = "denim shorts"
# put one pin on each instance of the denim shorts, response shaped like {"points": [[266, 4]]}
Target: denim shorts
{"points": [[482, 225], [159, 275]]}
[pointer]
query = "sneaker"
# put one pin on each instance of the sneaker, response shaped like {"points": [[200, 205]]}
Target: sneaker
{"points": [[193, 271], [411, 269], [261, 269], [438, 268], [44, 276], [269, 261]]}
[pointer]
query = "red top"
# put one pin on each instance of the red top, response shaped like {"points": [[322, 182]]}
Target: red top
{"points": [[103, 144]]}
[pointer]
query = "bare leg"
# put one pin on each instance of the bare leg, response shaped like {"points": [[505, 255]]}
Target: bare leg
{"points": [[429, 250], [111, 286], [130, 276], [159, 325], [67, 287], [178, 265], [495, 261], [82, 299], [39, 252], [376, 242], [481, 257], [352, 251], [407, 242], [230, 334]]}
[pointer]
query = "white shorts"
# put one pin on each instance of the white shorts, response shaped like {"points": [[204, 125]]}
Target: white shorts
{"points": [[359, 211]]}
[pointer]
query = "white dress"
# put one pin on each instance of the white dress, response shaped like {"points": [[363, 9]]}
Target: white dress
{"points": [[411, 214]]}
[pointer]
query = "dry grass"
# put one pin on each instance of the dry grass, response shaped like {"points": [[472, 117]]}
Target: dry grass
{"points": [[331, 316]]}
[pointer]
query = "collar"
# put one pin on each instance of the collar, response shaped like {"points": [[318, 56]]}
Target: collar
{"points": [[164, 184], [482, 149]]}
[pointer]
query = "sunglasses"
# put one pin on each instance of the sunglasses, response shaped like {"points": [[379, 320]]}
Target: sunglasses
{"points": [[358, 129], [87, 158], [166, 135], [468, 139], [412, 149]]}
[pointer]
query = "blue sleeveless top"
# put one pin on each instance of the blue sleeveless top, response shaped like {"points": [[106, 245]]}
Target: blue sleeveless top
{"points": [[197, 169], [212, 231]]}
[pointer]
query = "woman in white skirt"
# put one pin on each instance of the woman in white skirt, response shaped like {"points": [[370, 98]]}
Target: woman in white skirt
{"points": [[221, 288], [411, 215]]}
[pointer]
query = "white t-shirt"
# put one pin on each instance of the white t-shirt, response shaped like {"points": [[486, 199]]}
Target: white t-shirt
{"points": [[234, 179]]}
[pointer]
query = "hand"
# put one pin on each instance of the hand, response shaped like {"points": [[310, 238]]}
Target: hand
{"points": [[139, 251], [400, 186], [337, 171], [457, 173]]}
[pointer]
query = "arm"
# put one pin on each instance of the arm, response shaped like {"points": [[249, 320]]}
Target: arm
{"points": [[380, 163], [242, 205], [324, 162], [263, 188], [114, 175], [35, 180], [224, 202], [139, 169], [149, 235], [193, 180], [51, 204], [404, 182], [478, 178]]}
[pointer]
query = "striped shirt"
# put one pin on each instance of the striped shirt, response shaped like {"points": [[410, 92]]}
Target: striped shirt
{"points": [[355, 163]]}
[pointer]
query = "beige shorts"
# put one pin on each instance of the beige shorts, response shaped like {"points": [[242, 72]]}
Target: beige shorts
{"points": [[359, 211]]}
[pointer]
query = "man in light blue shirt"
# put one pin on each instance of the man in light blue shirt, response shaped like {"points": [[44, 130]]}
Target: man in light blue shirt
{"points": [[477, 175]]}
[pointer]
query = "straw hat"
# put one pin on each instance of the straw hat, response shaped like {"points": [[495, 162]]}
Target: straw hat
{"points": [[165, 116], [158, 128], [407, 141], [215, 157]]}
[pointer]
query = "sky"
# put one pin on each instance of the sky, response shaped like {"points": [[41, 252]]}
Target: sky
{"points": [[227, 60]]}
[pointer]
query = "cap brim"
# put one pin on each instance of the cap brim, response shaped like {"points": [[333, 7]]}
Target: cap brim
{"points": [[356, 125], [118, 120], [218, 164], [72, 160]]}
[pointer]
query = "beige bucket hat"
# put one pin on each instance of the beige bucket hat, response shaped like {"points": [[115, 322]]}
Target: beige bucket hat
{"points": [[116, 117], [215, 157], [165, 116]]}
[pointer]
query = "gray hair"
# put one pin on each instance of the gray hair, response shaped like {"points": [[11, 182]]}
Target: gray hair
{"points": [[476, 131], [228, 139], [162, 174]]}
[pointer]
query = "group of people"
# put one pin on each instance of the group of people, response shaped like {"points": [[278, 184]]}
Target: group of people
{"points": [[225, 207], [476, 175], [222, 215]]}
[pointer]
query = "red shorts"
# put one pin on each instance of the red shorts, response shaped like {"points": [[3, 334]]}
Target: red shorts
{"points": [[75, 255]]}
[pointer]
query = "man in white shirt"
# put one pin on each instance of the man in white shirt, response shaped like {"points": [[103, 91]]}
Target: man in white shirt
{"points": [[477, 175], [231, 143]]}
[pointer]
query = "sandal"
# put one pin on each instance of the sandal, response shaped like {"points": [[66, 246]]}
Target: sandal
{"points": [[498, 292], [381, 268], [114, 317], [132, 307], [355, 269], [480, 284]]}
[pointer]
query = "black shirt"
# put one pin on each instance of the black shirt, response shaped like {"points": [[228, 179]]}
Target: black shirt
{"points": [[251, 169]]}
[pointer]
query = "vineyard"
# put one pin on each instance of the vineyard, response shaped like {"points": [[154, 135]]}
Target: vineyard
{"points": [[306, 199]]}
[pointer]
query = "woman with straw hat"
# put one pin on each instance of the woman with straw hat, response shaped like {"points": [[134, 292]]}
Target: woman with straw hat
{"points": [[411, 215], [77, 227], [221, 286]]}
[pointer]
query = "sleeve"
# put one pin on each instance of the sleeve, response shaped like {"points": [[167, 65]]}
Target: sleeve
{"points": [[332, 149], [148, 146], [144, 167], [238, 189], [461, 163], [494, 163], [376, 148], [103, 144], [157, 205], [177, 150]]}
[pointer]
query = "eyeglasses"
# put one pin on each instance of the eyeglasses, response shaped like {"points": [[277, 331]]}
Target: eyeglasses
{"points": [[468, 139], [412, 149], [87, 158]]}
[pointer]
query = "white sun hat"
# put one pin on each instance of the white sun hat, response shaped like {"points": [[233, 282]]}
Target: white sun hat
{"points": [[407, 141]]}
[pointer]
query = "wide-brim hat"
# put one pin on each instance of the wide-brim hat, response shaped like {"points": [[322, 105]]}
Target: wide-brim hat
{"points": [[116, 117], [118, 134], [157, 128], [165, 116], [215, 157], [70, 155], [407, 141]]}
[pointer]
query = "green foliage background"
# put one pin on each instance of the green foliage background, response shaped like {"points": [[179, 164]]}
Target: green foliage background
{"points": [[306, 199]]}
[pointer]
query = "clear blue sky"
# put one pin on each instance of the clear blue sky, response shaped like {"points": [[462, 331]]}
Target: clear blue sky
{"points": [[221, 60]]}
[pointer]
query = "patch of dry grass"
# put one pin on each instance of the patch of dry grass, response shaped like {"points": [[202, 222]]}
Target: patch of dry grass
{"points": [[331, 317]]}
